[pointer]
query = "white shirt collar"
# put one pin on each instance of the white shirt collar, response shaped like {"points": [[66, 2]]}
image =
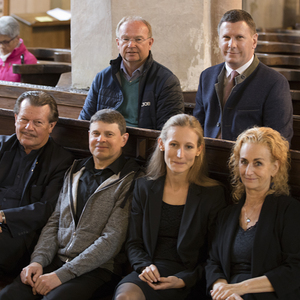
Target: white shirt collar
{"points": [[239, 70]]}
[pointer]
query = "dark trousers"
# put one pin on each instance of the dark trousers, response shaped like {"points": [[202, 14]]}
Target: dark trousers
{"points": [[14, 254], [82, 287]]}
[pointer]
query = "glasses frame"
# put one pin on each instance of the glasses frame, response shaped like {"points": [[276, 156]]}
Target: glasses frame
{"points": [[133, 40], [5, 43]]}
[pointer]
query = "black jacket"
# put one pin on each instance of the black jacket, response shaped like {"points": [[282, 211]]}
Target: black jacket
{"points": [[276, 248], [196, 229], [41, 189]]}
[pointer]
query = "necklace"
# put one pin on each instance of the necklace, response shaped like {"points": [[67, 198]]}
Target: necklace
{"points": [[249, 217]]}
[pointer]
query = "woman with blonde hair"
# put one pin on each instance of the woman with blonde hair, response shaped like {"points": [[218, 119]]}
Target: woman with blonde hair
{"points": [[172, 219], [256, 250]]}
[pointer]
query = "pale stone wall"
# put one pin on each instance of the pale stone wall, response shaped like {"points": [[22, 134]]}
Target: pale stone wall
{"points": [[266, 13], [185, 35]]}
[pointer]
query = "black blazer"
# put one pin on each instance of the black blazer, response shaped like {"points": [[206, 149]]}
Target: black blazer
{"points": [[197, 226], [276, 248], [41, 189]]}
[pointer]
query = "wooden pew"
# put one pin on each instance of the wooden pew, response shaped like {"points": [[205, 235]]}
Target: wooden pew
{"points": [[279, 37], [73, 134], [41, 73], [279, 60], [296, 101], [282, 30], [277, 47], [70, 103], [51, 54]]}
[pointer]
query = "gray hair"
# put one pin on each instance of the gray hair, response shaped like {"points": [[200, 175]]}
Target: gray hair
{"points": [[134, 19], [110, 116], [9, 26]]}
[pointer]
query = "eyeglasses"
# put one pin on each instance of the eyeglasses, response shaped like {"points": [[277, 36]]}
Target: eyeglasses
{"points": [[135, 40], [5, 43]]}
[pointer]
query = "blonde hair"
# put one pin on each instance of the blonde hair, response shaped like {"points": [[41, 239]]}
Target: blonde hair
{"points": [[198, 172], [279, 149]]}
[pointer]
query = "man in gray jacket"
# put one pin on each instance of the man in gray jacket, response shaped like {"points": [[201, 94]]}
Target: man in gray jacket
{"points": [[76, 252]]}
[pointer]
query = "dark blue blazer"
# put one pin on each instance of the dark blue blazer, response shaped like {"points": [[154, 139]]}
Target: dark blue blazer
{"points": [[196, 229], [276, 248], [261, 98]]}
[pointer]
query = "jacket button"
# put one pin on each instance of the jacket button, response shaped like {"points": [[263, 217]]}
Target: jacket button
{"points": [[218, 124]]}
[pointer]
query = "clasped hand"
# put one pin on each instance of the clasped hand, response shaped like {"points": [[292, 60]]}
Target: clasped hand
{"points": [[225, 291], [41, 284], [151, 275]]}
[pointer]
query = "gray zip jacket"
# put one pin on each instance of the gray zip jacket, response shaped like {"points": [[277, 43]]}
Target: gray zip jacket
{"points": [[101, 229]]}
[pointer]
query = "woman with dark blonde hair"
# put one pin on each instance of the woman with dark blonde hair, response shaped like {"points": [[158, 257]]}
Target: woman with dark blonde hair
{"points": [[256, 250], [173, 214]]}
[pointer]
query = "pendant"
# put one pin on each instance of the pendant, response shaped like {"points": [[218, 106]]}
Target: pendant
{"points": [[248, 220]]}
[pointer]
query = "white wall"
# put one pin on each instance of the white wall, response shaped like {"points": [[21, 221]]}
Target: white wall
{"points": [[185, 35]]}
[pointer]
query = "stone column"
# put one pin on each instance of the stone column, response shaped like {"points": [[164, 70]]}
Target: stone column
{"points": [[184, 32]]}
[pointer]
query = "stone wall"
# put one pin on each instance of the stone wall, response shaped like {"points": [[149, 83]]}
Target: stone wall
{"points": [[185, 35]]}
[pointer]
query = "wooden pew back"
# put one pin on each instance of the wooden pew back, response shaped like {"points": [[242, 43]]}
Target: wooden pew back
{"points": [[73, 134]]}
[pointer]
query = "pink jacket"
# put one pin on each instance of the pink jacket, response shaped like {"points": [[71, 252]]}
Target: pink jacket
{"points": [[6, 72]]}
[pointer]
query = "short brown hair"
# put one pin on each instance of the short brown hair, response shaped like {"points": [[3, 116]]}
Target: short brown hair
{"points": [[110, 116], [38, 98], [237, 15]]}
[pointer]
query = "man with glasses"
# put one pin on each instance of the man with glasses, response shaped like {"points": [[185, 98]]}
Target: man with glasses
{"points": [[146, 93], [32, 168], [12, 49]]}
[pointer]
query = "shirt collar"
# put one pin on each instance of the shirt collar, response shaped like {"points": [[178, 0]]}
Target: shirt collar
{"points": [[136, 73], [32, 152], [115, 167], [241, 69]]}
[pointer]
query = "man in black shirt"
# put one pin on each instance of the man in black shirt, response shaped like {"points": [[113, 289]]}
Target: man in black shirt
{"points": [[32, 167]]}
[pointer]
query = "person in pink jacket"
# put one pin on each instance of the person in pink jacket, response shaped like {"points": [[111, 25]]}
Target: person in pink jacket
{"points": [[12, 49]]}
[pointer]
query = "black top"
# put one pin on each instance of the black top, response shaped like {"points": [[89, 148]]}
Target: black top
{"points": [[12, 185], [241, 253], [92, 178], [166, 246]]}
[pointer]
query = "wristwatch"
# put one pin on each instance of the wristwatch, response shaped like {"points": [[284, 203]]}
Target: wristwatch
{"points": [[3, 217]]}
